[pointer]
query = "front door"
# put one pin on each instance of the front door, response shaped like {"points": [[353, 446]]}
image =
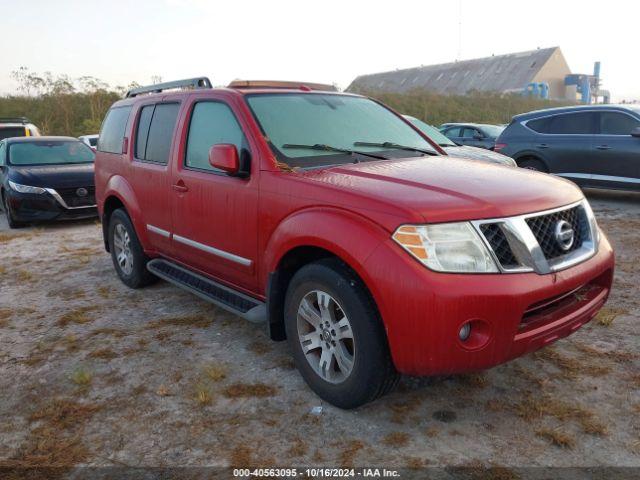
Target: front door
{"points": [[214, 215]]}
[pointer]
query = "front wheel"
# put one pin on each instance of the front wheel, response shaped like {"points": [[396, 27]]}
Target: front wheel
{"points": [[336, 335], [128, 257], [13, 223]]}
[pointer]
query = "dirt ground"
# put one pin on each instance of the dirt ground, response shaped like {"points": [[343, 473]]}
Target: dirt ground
{"points": [[94, 373]]}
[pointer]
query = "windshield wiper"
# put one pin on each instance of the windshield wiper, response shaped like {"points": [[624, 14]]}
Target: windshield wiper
{"points": [[394, 145], [329, 148]]}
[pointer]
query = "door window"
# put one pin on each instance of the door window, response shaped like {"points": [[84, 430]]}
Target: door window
{"points": [[573, 124], [211, 123], [452, 132], [469, 133], [616, 123], [155, 144]]}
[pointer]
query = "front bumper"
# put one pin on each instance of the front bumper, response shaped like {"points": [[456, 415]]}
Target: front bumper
{"points": [[511, 314], [37, 207]]}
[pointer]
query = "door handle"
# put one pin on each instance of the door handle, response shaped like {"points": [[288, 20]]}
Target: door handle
{"points": [[180, 187], [542, 145], [603, 147]]}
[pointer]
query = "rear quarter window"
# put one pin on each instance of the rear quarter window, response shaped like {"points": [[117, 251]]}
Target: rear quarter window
{"points": [[113, 129]]}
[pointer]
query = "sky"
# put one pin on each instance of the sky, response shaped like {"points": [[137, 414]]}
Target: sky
{"points": [[330, 41]]}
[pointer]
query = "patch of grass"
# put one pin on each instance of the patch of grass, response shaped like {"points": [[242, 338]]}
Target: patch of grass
{"points": [[607, 315], [242, 457], [162, 336], [196, 321], [163, 391], [82, 377], [6, 237], [615, 355], [496, 405], [432, 432], [572, 367], [557, 437], [259, 347], [348, 452], [79, 316], [299, 448], [25, 276], [64, 413], [215, 372], [104, 292], [413, 463], [203, 395], [396, 439], [248, 390], [103, 353], [108, 331], [3, 270], [475, 380]]}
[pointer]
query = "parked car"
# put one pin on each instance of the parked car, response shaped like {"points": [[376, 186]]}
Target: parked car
{"points": [[464, 151], [46, 178], [473, 134], [17, 127], [90, 140], [330, 219], [592, 145]]}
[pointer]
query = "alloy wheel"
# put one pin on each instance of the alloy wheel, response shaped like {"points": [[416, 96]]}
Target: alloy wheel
{"points": [[122, 244]]}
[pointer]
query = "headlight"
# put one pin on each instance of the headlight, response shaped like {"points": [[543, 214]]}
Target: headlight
{"points": [[446, 247], [25, 188]]}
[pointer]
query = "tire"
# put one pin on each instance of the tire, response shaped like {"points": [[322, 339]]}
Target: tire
{"points": [[533, 164], [127, 255], [13, 223], [365, 370]]}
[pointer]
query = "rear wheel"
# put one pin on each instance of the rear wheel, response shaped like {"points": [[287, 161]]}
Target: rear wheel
{"points": [[128, 257], [336, 336], [13, 223], [533, 164]]}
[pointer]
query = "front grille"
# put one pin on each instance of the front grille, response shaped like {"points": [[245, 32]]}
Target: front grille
{"points": [[499, 244], [543, 228], [72, 199]]}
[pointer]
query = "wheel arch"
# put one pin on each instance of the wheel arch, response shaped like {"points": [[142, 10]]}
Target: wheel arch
{"points": [[119, 194]]}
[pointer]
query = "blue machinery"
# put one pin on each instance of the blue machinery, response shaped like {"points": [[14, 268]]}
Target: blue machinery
{"points": [[588, 86]]}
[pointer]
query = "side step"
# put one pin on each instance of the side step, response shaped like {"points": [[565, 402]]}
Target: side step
{"points": [[231, 300]]}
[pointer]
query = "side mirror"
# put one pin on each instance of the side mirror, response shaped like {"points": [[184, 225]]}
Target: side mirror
{"points": [[635, 132], [224, 156]]}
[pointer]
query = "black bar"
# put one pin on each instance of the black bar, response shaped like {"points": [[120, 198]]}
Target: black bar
{"points": [[198, 82]]}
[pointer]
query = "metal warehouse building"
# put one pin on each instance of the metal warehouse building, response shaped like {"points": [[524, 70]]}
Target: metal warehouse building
{"points": [[543, 72]]}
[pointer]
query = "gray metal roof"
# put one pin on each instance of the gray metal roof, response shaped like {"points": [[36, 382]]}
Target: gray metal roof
{"points": [[497, 73]]}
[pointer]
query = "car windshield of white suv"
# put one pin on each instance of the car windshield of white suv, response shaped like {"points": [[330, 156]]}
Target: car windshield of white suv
{"points": [[55, 152], [312, 129]]}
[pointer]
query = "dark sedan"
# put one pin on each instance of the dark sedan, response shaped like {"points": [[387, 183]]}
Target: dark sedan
{"points": [[595, 146], [472, 134], [46, 178]]}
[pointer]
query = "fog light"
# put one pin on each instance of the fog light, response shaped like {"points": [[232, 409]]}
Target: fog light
{"points": [[465, 331]]}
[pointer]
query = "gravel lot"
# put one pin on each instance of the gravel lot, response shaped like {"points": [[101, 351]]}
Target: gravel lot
{"points": [[94, 373]]}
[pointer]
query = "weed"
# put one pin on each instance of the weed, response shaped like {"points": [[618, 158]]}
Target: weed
{"points": [[25, 276], [104, 354], [348, 452], [475, 380], [396, 439], [79, 315], [607, 315], [298, 449], [82, 377], [258, 390], [108, 331], [432, 432], [203, 395], [104, 292], [572, 367], [163, 391], [196, 321], [259, 348], [215, 372], [556, 437]]}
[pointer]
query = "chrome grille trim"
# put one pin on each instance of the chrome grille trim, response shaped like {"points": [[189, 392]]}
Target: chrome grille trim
{"points": [[527, 250]]}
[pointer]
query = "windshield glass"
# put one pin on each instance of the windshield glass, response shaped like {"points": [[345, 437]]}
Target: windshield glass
{"points": [[294, 120], [54, 152], [493, 130], [432, 132]]}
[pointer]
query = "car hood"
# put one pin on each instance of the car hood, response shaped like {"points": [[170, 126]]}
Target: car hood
{"points": [[54, 176], [475, 153], [446, 189]]}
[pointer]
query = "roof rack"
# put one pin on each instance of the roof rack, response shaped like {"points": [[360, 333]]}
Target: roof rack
{"points": [[14, 120], [198, 82], [306, 86]]}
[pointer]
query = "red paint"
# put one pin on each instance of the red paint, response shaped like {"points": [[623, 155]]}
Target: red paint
{"points": [[352, 211]]}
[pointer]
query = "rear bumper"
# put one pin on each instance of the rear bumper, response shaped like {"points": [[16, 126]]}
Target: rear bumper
{"points": [[510, 314], [31, 207]]}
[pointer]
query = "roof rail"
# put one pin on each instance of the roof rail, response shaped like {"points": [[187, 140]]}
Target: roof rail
{"points": [[282, 84], [14, 120], [198, 82]]}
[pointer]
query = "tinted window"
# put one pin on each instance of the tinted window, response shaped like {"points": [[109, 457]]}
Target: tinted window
{"points": [[469, 132], [8, 132], [93, 142], [452, 132], [50, 152], [616, 123], [161, 132], [572, 124], [113, 128], [541, 125], [211, 123], [143, 131]]}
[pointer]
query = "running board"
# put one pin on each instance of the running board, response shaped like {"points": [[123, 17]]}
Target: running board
{"points": [[231, 300]]}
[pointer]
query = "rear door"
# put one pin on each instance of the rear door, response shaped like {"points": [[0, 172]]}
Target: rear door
{"points": [[453, 133], [565, 142], [215, 216], [153, 135], [616, 154]]}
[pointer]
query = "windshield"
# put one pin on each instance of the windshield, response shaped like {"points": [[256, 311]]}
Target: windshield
{"points": [[493, 130], [292, 121], [54, 152], [432, 132]]}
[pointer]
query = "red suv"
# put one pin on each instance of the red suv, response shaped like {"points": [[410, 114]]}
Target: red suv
{"points": [[346, 230]]}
